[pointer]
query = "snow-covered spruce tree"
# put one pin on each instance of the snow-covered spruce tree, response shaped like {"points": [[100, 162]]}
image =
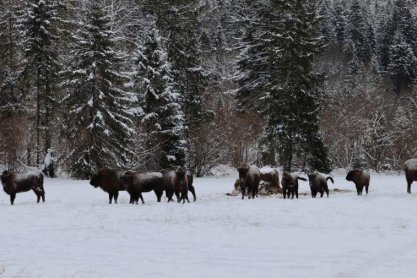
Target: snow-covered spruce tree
{"points": [[398, 48], [402, 67], [98, 124], [254, 62], [178, 20], [161, 117], [296, 89], [41, 66], [10, 55], [360, 41], [340, 22], [13, 107]]}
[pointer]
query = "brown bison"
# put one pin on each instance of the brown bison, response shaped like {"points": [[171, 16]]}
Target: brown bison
{"points": [[289, 184], [410, 168], [169, 185], [249, 178], [22, 182], [318, 183], [110, 181], [271, 178], [137, 183], [361, 179], [179, 182]]}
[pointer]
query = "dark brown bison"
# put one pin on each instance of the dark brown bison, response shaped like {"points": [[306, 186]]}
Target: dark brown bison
{"points": [[289, 184], [249, 178], [110, 181], [180, 183], [318, 183], [22, 182], [169, 185], [361, 179], [272, 179], [410, 168], [137, 183]]}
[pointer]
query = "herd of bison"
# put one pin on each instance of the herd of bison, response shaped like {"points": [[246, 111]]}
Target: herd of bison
{"points": [[180, 181]]}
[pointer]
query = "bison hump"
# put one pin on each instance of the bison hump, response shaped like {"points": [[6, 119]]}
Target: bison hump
{"points": [[411, 164]]}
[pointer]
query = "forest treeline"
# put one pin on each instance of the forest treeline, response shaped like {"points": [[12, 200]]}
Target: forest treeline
{"points": [[303, 84]]}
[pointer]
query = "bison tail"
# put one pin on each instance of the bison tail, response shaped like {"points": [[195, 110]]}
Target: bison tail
{"points": [[330, 179]]}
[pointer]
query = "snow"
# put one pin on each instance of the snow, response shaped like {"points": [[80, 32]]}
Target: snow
{"points": [[76, 233]]}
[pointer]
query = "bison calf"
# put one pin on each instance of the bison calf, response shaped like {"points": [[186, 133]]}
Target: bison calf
{"points": [[249, 178], [361, 179], [318, 183], [137, 183], [289, 184], [410, 168], [109, 180], [22, 182]]}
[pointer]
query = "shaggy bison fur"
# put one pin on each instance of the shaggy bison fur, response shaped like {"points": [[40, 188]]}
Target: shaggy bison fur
{"points": [[289, 184], [410, 168], [22, 182], [137, 183], [109, 180], [249, 178], [361, 179], [318, 183]]}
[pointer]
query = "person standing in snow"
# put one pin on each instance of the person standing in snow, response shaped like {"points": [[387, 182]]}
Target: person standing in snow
{"points": [[49, 163]]}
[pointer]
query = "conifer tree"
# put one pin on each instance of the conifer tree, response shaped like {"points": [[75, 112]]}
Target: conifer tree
{"points": [[41, 66], [178, 19], [161, 117], [98, 124]]}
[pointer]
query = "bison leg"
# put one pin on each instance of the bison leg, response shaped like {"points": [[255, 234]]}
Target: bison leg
{"points": [[141, 198], [409, 182], [110, 197], [243, 193], [158, 194], [366, 189], [192, 190], [326, 189], [184, 196], [358, 190], [115, 196], [12, 197]]}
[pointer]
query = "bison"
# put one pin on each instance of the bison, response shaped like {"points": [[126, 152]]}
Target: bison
{"points": [[289, 184], [22, 182], [410, 168], [180, 184], [137, 183], [318, 183], [361, 179], [109, 180], [249, 178], [169, 184], [271, 178]]}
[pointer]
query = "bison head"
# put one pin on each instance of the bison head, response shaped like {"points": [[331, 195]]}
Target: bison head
{"points": [[243, 171], [5, 176], [351, 175], [95, 180]]}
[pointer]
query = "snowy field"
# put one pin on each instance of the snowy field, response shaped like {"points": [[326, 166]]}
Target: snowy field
{"points": [[76, 233]]}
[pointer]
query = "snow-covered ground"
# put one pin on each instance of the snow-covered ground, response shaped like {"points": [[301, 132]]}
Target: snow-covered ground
{"points": [[76, 233]]}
